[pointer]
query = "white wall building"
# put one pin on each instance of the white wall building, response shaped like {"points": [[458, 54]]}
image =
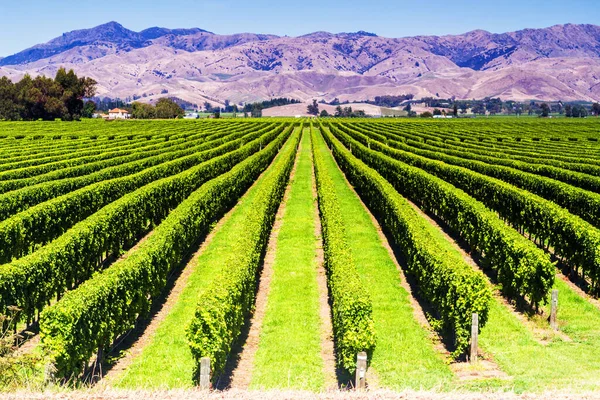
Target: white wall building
{"points": [[117, 113]]}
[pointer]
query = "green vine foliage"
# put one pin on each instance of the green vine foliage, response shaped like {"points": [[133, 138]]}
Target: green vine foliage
{"points": [[33, 281], [226, 303], [24, 232], [451, 286], [108, 305], [351, 306], [523, 270], [584, 203], [25, 193]]}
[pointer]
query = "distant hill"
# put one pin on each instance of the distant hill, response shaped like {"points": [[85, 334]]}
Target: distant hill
{"points": [[560, 62]]}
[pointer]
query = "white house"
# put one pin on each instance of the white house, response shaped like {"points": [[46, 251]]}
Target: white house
{"points": [[192, 116], [117, 113]]}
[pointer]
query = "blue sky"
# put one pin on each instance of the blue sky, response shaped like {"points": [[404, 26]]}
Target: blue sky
{"points": [[28, 22]]}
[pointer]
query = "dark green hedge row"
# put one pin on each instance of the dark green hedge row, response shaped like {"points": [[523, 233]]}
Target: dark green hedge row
{"points": [[226, 303], [145, 149], [35, 280], [451, 286], [522, 269], [351, 306], [581, 202], [26, 193], [22, 233], [105, 307]]}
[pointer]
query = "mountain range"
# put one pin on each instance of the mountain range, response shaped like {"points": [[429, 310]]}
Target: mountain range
{"points": [[561, 62]]}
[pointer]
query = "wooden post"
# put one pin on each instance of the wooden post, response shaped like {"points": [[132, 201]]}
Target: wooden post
{"points": [[205, 373], [553, 310], [474, 337], [361, 371]]}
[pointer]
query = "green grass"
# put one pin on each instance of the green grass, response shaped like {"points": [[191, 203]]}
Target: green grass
{"points": [[405, 356], [166, 362], [561, 364], [289, 351]]}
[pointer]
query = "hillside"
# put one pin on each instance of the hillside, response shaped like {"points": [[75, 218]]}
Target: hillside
{"points": [[560, 62]]}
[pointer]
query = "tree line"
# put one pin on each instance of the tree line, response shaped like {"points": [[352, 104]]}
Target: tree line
{"points": [[46, 98]]}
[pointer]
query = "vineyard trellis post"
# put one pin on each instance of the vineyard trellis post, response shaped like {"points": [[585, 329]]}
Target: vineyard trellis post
{"points": [[361, 371], [205, 373], [474, 337], [554, 310]]}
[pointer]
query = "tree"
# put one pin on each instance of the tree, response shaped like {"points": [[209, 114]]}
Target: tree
{"points": [[89, 108], [455, 110], [168, 109], [324, 114], [142, 110], [426, 114], [596, 109], [313, 109], [408, 108], [545, 110], [568, 111], [339, 112], [10, 109], [436, 111], [256, 110]]}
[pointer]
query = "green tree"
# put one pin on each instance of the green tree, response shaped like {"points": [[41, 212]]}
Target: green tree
{"points": [[142, 110], [596, 109], [313, 109], [545, 110], [167, 109], [436, 111], [10, 109], [89, 108], [455, 110], [324, 114], [568, 111]]}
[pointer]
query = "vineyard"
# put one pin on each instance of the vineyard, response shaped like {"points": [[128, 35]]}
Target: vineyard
{"points": [[283, 253]]}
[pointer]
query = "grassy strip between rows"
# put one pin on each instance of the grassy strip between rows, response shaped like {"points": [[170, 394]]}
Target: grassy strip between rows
{"points": [[226, 303], [289, 351], [108, 305], [405, 356], [37, 279], [524, 271], [451, 286], [571, 364], [351, 307], [166, 362]]}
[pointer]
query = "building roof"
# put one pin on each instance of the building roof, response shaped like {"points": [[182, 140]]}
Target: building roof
{"points": [[118, 110]]}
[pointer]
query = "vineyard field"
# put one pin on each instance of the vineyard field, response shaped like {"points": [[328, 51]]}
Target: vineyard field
{"points": [[134, 252]]}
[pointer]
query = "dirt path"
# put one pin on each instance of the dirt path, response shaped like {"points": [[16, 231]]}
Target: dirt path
{"points": [[327, 346], [195, 394], [242, 374]]}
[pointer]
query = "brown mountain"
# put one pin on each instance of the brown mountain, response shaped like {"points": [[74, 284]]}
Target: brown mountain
{"points": [[560, 62]]}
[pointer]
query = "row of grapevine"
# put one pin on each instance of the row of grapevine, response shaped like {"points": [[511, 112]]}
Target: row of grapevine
{"points": [[33, 281], [31, 194], [351, 307], [108, 305], [581, 202], [572, 238], [44, 222], [523, 270], [228, 300], [454, 289]]}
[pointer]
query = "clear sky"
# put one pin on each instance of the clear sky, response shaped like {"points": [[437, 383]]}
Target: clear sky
{"points": [[24, 23]]}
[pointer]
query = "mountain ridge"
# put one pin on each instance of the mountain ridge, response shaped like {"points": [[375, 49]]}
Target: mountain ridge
{"points": [[558, 62]]}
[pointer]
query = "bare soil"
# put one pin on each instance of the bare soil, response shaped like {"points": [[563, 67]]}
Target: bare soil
{"points": [[235, 394]]}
